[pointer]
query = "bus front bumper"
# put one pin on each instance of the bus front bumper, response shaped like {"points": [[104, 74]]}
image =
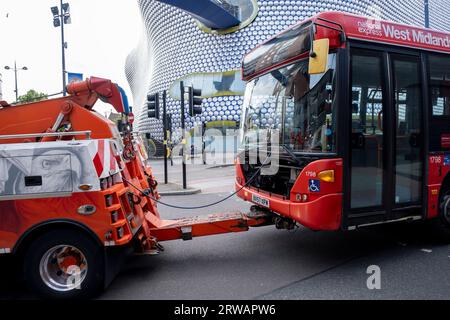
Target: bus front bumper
{"points": [[324, 213]]}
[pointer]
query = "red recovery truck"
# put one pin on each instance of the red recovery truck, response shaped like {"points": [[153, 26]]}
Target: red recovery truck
{"points": [[76, 194]]}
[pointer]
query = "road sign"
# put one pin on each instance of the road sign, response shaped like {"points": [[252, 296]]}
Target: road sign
{"points": [[131, 117], [74, 77]]}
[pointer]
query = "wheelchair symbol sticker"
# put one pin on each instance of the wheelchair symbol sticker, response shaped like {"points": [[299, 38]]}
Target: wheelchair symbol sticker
{"points": [[447, 161], [314, 185]]}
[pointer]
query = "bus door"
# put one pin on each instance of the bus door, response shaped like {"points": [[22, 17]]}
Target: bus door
{"points": [[386, 164], [408, 136]]}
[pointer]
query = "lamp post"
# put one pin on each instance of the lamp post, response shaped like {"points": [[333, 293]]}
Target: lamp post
{"points": [[15, 69], [60, 18]]}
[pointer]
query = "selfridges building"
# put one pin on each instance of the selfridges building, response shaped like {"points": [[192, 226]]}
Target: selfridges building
{"points": [[178, 46]]}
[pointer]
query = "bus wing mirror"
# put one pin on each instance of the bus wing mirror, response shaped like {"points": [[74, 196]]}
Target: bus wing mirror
{"points": [[318, 61]]}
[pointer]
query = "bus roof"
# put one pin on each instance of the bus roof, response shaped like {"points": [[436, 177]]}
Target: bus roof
{"points": [[370, 29], [354, 27]]}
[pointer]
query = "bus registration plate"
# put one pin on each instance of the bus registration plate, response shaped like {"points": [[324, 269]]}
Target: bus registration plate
{"points": [[261, 201]]}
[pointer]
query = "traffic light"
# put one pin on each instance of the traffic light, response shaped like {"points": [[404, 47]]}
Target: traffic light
{"points": [[195, 102], [153, 106]]}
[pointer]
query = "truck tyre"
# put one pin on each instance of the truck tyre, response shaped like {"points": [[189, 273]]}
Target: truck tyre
{"points": [[441, 224], [64, 264]]}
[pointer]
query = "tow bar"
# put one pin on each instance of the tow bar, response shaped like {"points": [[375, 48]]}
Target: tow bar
{"points": [[188, 228]]}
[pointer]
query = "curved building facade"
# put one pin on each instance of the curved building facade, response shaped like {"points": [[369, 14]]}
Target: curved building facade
{"points": [[176, 47]]}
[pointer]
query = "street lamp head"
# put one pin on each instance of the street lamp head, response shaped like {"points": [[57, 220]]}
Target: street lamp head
{"points": [[25, 68], [7, 68]]}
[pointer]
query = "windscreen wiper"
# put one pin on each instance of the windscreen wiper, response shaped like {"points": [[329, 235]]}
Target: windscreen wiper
{"points": [[292, 155]]}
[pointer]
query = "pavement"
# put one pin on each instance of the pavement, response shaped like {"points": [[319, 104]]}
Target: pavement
{"points": [[200, 178], [176, 189], [266, 263]]}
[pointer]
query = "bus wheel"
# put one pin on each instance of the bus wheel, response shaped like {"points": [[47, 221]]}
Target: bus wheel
{"points": [[64, 264], [441, 225]]}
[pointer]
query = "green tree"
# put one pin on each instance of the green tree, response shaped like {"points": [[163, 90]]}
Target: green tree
{"points": [[32, 96]]}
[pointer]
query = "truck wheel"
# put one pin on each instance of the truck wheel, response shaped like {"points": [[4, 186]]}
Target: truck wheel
{"points": [[441, 225], [64, 264]]}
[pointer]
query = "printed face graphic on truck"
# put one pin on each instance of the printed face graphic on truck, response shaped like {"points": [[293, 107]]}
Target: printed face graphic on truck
{"points": [[48, 171], [55, 170]]}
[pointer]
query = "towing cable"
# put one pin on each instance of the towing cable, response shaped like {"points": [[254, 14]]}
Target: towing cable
{"points": [[147, 194]]}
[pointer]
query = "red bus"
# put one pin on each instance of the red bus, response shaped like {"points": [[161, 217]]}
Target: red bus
{"points": [[362, 108]]}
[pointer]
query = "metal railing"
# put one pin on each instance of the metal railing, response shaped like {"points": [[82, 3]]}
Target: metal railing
{"points": [[43, 135]]}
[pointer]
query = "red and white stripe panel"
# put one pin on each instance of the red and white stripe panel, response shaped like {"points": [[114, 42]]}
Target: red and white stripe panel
{"points": [[141, 148], [103, 156]]}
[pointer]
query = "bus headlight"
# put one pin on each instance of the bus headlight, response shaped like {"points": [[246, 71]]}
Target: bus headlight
{"points": [[326, 176]]}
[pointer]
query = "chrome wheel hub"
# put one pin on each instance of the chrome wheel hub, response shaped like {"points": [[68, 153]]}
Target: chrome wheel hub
{"points": [[63, 268]]}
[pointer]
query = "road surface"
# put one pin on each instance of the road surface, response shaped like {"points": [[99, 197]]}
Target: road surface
{"points": [[266, 263]]}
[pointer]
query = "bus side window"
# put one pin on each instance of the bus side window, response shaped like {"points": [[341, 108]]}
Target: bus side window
{"points": [[439, 89], [440, 85]]}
